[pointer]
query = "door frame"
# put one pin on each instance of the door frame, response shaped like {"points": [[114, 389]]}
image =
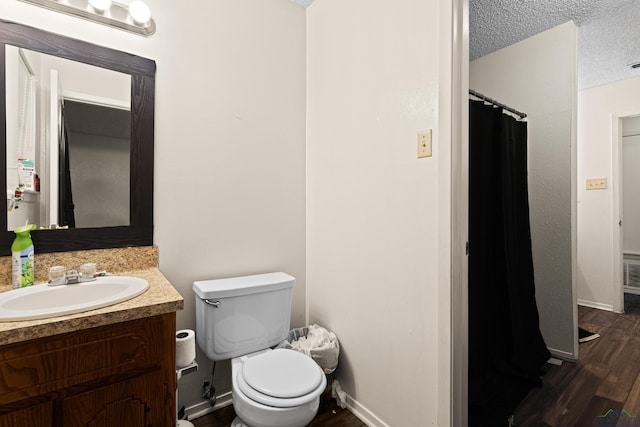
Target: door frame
{"points": [[459, 209], [617, 187]]}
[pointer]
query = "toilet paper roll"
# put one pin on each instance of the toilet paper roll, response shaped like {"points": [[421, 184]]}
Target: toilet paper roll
{"points": [[185, 348]]}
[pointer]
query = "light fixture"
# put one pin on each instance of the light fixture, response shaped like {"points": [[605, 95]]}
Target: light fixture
{"points": [[100, 6], [140, 12], [135, 18]]}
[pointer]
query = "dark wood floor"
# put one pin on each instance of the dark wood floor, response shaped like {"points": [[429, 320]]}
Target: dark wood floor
{"points": [[605, 380], [329, 414]]}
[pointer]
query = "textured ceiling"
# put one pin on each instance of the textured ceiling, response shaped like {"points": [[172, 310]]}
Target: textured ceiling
{"points": [[608, 34]]}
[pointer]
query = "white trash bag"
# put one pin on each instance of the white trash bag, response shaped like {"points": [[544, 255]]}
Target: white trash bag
{"points": [[316, 342]]}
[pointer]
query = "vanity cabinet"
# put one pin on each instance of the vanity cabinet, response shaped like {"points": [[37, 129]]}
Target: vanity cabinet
{"points": [[128, 403], [116, 375], [39, 415]]}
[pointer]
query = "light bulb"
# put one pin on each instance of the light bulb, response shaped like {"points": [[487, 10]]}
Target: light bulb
{"points": [[100, 6], [140, 12]]}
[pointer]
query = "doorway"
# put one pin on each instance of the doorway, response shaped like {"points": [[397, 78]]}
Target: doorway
{"points": [[97, 146], [628, 264]]}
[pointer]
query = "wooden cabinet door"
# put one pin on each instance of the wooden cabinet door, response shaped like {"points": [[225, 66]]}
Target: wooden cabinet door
{"points": [[138, 402], [34, 416]]}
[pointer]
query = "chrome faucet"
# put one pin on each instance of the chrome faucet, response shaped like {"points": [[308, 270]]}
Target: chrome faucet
{"points": [[70, 278]]}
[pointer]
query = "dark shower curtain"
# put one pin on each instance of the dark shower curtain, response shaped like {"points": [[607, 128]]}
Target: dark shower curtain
{"points": [[66, 208], [506, 348]]}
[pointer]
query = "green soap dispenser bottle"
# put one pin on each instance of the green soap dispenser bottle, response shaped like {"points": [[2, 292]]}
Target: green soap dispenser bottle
{"points": [[22, 257]]}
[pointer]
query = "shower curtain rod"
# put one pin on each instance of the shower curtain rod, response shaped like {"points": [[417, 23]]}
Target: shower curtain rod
{"points": [[496, 103]]}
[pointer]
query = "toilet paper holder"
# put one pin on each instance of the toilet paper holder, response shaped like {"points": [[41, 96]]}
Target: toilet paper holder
{"points": [[186, 370], [180, 411]]}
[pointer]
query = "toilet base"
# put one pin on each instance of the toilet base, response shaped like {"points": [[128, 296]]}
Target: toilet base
{"points": [[184, 423], [237, 422]]}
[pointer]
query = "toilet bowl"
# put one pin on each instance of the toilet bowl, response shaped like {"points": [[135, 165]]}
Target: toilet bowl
{"points": [[276, 388]]}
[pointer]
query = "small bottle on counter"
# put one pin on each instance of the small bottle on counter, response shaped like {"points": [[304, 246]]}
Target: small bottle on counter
{"points": [[22, 255]]}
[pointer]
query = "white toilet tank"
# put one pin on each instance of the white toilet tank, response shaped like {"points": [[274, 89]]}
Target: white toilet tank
{"points": [[240, 315]]}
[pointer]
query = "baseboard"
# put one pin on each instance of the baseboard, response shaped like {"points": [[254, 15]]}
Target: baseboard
{"points": [[360, 411], [364, 414], [631, 290], [555, 361], [203, 408], [562, 355], [598, 305]]}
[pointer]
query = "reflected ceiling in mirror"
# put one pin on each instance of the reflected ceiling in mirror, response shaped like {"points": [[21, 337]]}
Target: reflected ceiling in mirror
{"points": [[76, 140], [137, 229]]}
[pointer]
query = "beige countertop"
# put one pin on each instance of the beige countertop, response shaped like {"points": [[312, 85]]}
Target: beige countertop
{"points": [[160, 298]]}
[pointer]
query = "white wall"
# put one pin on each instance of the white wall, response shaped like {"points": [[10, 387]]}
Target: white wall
{"points": [[631, 185], [378, 218], [630, 126], [229, 193], [598, 111], [77, 77], [538, 76]]}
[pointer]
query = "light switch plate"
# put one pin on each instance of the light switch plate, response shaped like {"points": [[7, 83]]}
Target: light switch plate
{"points": [[596, 183], [424, 144]]}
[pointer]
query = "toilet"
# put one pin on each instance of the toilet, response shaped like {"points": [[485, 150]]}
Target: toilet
{"points": [[242, 319]]}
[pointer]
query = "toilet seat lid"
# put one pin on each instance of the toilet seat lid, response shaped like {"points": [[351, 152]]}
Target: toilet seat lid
{"points": [[282, 374]]}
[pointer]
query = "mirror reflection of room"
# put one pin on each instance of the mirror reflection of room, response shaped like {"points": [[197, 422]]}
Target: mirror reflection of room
{"points": [[68, 143]]}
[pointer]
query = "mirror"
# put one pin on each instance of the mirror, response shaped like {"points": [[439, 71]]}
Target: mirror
{"points": [[77, 165], [133, 223]]}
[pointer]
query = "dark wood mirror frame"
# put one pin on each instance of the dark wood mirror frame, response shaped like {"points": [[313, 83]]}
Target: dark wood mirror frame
{"points": [[142, 71]]}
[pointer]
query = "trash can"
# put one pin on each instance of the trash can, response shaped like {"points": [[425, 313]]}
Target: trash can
{"points": [[316, 342]]}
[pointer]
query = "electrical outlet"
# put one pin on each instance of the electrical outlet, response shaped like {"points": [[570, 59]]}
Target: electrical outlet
{"points": [[596, 183], [424, 144]]}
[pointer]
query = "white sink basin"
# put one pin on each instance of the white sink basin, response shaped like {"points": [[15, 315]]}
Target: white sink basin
{"points": [[42, 301]]}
